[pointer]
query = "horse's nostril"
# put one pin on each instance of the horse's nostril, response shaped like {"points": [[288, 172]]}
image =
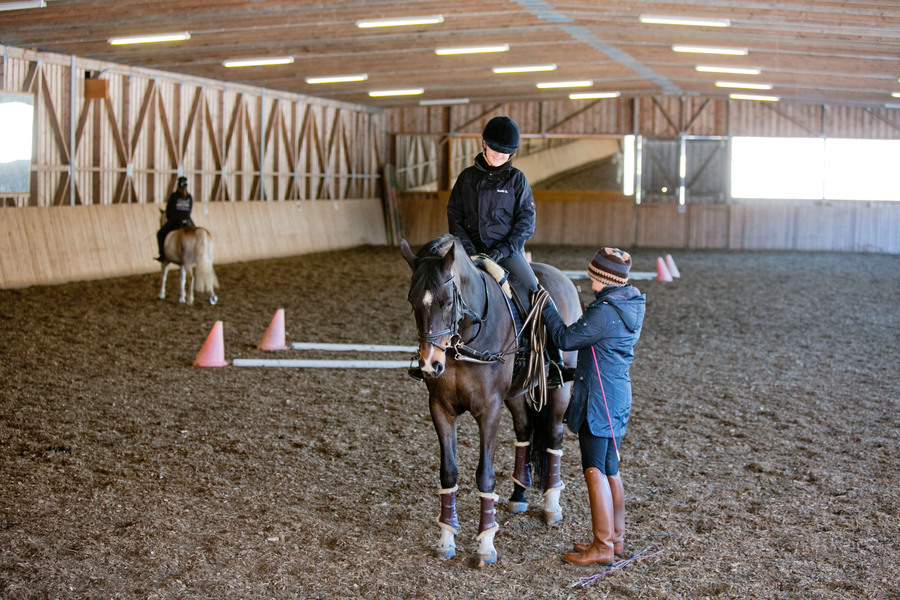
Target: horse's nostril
{"points": [[438, 367]]}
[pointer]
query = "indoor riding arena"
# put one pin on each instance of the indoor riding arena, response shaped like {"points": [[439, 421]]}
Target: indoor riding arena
{"points": [[762, 456]]}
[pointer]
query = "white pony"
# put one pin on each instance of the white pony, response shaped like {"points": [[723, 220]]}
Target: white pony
{"points": [[191, 248]]}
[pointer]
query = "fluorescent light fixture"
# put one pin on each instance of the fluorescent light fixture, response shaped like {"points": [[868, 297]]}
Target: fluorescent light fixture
{"points": [[259, 62], [149, 39], [696, 21], [399, 21], [547, 85], [593, 95], [409, 92], [896, 94], [23, 5], [471, 50], [729, 70], [443, 102], [337, 78], [743, 86], [710, 50], [524, 69], [753, 97]]}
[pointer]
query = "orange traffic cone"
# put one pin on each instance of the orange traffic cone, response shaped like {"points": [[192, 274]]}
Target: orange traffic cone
{"points": [[662, 272], [273, 339], [670, 264], [212, 354]]}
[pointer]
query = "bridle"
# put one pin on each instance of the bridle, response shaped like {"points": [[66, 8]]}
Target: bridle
{"points": [[458, 349]]}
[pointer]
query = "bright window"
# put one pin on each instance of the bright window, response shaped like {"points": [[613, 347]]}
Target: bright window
{"points": [[814, 168], [786, 168]]}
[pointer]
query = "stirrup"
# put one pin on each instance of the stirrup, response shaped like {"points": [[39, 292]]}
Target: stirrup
{"points": [[555, 377]]}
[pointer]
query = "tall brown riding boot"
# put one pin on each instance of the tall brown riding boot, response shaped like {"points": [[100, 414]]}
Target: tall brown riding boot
{"points": [[618, 501], [600, 496]]}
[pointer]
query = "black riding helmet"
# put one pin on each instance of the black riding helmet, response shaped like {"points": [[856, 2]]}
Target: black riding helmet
{"points": [[182, 181], [501, 134]]}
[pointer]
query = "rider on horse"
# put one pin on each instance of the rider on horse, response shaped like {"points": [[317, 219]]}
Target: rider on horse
{"points": [[491, 211], [178, 214]]}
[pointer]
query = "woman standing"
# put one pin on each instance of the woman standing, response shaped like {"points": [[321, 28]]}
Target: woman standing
{"points": [[598, 412]]}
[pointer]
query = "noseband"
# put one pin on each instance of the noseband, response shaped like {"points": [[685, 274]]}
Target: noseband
{"points": [[457, 348]]}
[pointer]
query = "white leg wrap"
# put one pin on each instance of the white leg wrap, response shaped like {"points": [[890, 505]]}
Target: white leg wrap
{"points": [[487, 554], [446, 546]]}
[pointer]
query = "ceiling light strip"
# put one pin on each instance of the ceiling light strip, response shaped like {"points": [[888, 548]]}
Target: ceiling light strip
{"points": [[399, 22], [690, 21], [753, 97], [445, 101], [548, 85], [259, 62], [743, 86], [337, 79], [24, 4], [385, 93], [151, 38], [727, 70], [594, 95], [524, 69], [471, 50], [710, 50]]}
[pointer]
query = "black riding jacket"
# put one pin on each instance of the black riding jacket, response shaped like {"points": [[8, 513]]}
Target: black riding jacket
{"points": [[178, 209], [491, 207]]}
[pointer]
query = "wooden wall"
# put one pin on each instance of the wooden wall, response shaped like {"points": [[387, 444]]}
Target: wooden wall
{"points": [[232, 142], [48, 245], [610, 219]]}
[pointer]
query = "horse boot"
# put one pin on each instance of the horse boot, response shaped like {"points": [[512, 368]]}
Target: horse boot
{"points": [[487, 528], [601, 550], [618, 499], [521, 478], [553, 485], [449, 524]]}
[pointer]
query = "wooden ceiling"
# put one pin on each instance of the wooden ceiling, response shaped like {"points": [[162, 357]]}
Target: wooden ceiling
{"points": [[811, 51]]}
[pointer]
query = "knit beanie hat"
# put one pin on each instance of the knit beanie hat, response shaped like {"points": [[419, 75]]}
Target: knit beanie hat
{"points": [[610, 266]]}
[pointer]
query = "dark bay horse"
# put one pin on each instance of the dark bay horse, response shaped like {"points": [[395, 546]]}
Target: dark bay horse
{"points": [[467, 340], [191, 248]]}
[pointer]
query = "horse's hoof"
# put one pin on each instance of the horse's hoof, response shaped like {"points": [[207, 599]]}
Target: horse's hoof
{"points": [[213, 300], [516, 507], [445, 552], [487, 559], [552, 518]]}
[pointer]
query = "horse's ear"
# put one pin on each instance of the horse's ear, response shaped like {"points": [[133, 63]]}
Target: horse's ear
{"points": [[408, 254], [447, 253]]}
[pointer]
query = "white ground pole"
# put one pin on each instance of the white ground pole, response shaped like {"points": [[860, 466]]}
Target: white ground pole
{"points": [[321, 364], [636, 275], [352, 347]]}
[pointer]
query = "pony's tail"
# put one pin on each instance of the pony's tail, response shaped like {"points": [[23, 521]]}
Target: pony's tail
{"points": [[205, 280]]}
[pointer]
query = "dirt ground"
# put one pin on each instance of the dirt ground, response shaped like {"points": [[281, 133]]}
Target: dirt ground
{"points": [[761, 459]]}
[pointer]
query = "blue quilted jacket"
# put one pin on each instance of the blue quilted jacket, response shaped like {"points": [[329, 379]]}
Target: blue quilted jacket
{"points": [[611, 325]]}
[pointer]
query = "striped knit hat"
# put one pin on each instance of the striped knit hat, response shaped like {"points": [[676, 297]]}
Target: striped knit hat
{"points": [[610, 266]]}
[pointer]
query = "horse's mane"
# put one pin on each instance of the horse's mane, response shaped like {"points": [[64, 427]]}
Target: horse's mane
{"points": [[429, 273]]}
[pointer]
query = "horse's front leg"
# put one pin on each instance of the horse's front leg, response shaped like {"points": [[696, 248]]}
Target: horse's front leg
{"points": [[553, 485], [522, 467], [181, 297], [445, 426], [488, 423]]}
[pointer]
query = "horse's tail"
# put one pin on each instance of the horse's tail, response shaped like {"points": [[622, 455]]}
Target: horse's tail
{"points": [[205, 281], [540, 442]]}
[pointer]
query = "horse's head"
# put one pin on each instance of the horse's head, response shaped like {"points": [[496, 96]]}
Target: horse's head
{"points": [[440, 270]]}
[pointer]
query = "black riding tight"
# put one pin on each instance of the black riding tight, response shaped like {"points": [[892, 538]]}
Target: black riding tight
{"points": [[598, 452]]}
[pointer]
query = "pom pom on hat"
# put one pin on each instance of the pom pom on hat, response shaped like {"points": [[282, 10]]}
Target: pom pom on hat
{"points": [[610, 266]]}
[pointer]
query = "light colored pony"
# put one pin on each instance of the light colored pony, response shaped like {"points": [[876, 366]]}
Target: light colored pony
{"points": [[191, 248]]}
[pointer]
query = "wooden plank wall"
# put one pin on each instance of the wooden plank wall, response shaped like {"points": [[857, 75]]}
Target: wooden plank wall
{"points": [[233, 142], [610, 219], [49, 245]]}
